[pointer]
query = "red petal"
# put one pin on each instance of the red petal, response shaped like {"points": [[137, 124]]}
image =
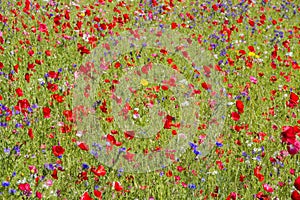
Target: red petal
{"points": [[86, 196]]}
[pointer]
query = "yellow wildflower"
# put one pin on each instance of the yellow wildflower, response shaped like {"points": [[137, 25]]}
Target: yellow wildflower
{"points": [[144, 82], [252, 54]]}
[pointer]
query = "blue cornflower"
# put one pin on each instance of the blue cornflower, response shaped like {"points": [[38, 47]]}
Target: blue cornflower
{"points": [[219, 144], [17, 149], [192, 145], [196, 152], [12, 191], [192, 186], [6, 150], [5, 183], [85, 166]]}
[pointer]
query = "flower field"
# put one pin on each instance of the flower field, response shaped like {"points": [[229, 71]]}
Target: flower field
{"points": [[150, 99]]}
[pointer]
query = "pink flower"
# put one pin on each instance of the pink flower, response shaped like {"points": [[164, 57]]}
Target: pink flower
{"points": [[43, 28], [33, 169], [184, 184], [49, 182], [24, 187], [292, 171], [253, 79], [268, 188]]}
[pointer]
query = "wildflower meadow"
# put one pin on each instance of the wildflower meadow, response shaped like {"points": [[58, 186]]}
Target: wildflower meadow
{"points": [[150, 99]]}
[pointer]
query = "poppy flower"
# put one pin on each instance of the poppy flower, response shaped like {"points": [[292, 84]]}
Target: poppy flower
{"points": [[240, 106], [293, 101], [86, 196], [83, 146], [19, 92], [25, 187], [58, 150], [117, 186], [100, 171], [297, 183], [22, 105], [83, 49], [27, 77], [295, 195], [69, 115], [235, 116], [98, 194], [168, 122], [30, 133], [47, 112], [288, 135], [111, 139], [129, 134], [258, 174], [169, 173], [54, 174]]}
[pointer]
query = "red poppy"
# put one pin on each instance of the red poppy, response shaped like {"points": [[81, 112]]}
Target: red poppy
{"points": [[129, 134], [83, 49], [288, 135], [293, 101], [19, 92], [251, 22], [83, 146], [169, 173], [86, 196], [240, 106], [69, 115], [24, 187], [30, 133], [48, 53], [117, 186], [98, 194], [111, 139], [58, 150], [100, 171], [168, 122], [251, 48], [22, 105], [53, 74], [27, 77], [235, 116], [52, 87], [47, 112], [258, 174], [54, 174], [66, 128], [295, 195]]}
